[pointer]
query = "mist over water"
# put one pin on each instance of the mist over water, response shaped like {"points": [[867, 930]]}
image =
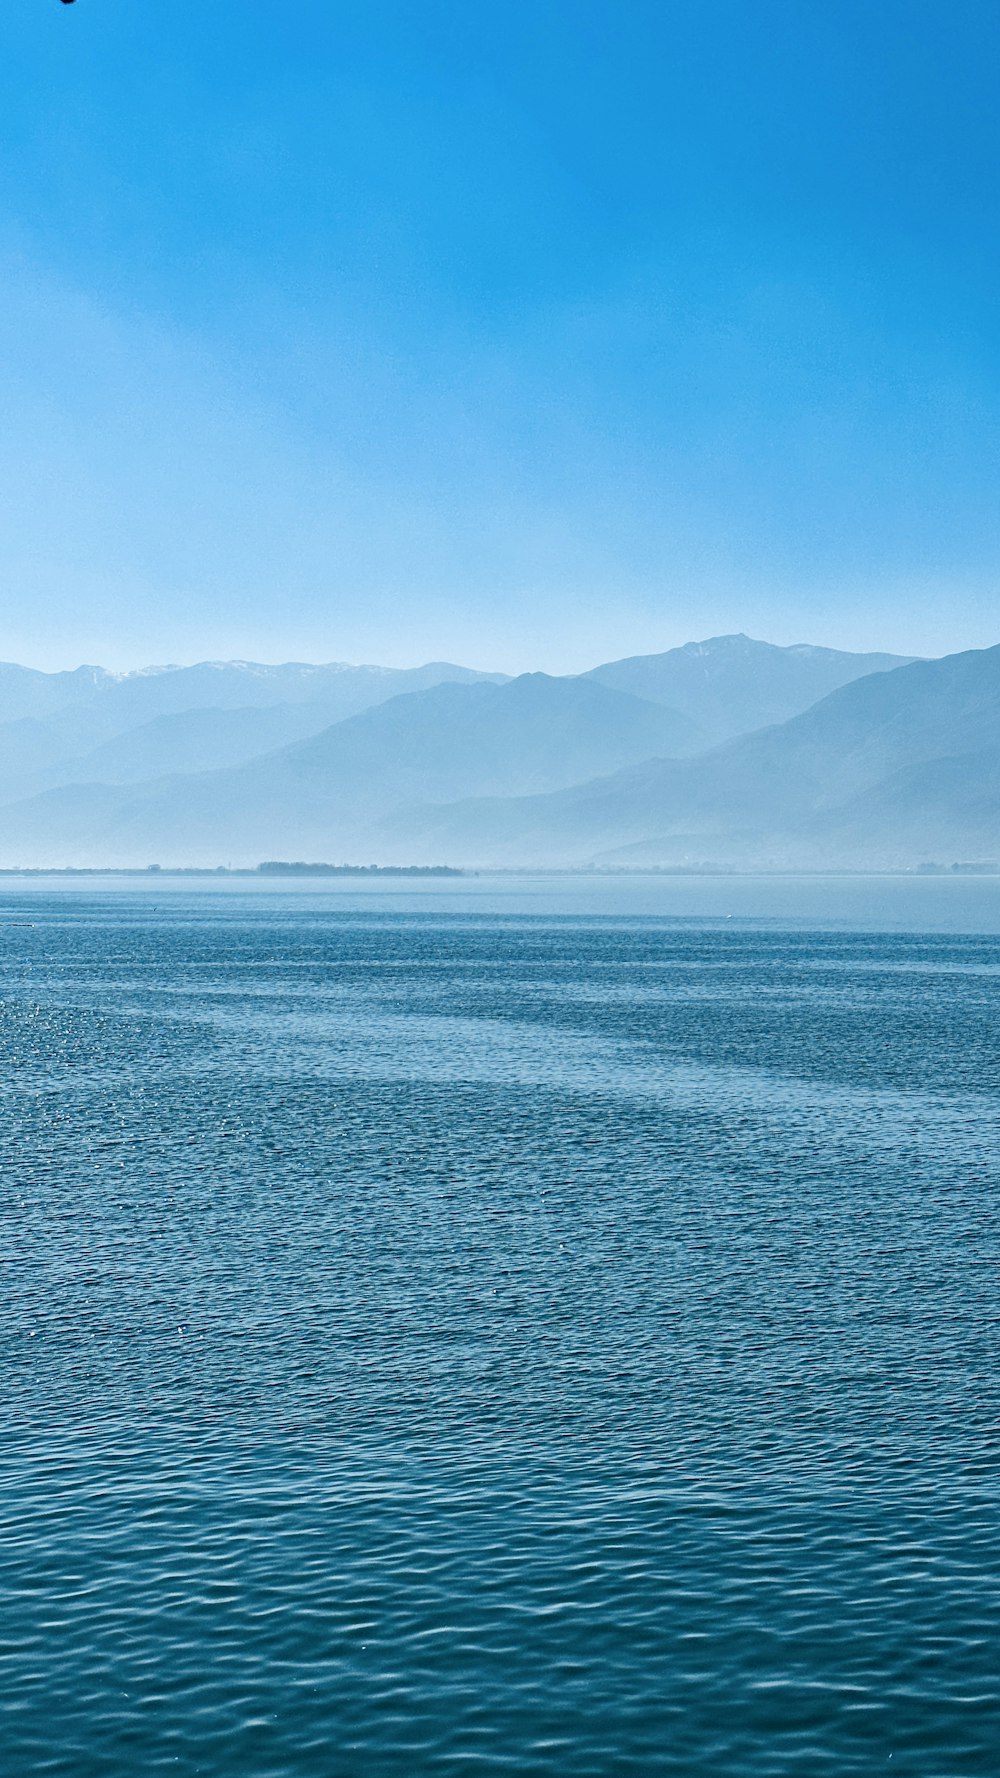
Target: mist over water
{"points": [[509, 1325]]}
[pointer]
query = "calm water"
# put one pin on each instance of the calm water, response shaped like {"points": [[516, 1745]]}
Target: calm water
{"points": [[501, 1328]]}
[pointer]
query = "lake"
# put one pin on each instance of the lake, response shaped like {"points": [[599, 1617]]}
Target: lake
{"points": [[500, 1325]]}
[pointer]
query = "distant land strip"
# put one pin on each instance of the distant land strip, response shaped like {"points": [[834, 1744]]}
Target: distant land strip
{"points": [[272, 868]]}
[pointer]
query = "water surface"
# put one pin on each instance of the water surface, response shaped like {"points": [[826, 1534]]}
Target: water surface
{"points": [[504, 1326]]}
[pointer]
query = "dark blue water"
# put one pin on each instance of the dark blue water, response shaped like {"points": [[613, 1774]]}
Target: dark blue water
{"points": [[443, 1336]]}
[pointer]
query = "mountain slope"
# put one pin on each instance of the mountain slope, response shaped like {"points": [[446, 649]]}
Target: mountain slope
{"points": [[342, 690], [321, 796], [842, 782], [191, 741], [731, 685], [940, 809], [26, 692], [59, 728]]}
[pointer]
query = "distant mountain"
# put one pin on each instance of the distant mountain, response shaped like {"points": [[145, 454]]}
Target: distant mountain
{"points": [[66, 727], [190, 741], [61, 728], [340, 689], [321, 797], [891, 769], [25, 692], [731, 685], [31, 747], [221, 685], [80, 745], [941, 809], [895, 767]]}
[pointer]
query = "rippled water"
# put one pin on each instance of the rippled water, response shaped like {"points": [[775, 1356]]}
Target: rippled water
{"points": [[448, 1336]]}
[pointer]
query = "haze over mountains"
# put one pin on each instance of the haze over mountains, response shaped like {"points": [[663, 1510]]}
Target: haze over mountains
{"points": [[861, 778], [453, 740], [732, 684], [728, 751], [179, 718]]}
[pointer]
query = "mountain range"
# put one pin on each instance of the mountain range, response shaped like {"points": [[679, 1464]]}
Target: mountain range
{"points": [[92, 726], [868, 776], [733, 684], [728, 751]]}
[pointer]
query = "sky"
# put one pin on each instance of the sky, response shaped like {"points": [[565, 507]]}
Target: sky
{"points": [[525, 333]]}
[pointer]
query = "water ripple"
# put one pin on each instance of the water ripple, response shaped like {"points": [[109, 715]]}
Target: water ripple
{"points": [[504, 1346]]}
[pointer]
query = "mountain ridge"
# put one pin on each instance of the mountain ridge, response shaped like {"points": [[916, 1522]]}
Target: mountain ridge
{"points": [[737, 684], [534, 732], [765, 796], [547, 769]]}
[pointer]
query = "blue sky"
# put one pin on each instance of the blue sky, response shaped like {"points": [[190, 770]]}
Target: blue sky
{"points": [[521, 332]]}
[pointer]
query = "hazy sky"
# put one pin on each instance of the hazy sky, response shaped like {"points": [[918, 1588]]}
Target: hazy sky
{"points": [[520, 332]]}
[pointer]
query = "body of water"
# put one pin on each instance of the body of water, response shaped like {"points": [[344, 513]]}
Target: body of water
{"points": [[501, 1325]]}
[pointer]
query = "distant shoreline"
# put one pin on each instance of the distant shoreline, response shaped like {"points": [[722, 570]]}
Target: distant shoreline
{"points": [[276, 870], [270, 869]]}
